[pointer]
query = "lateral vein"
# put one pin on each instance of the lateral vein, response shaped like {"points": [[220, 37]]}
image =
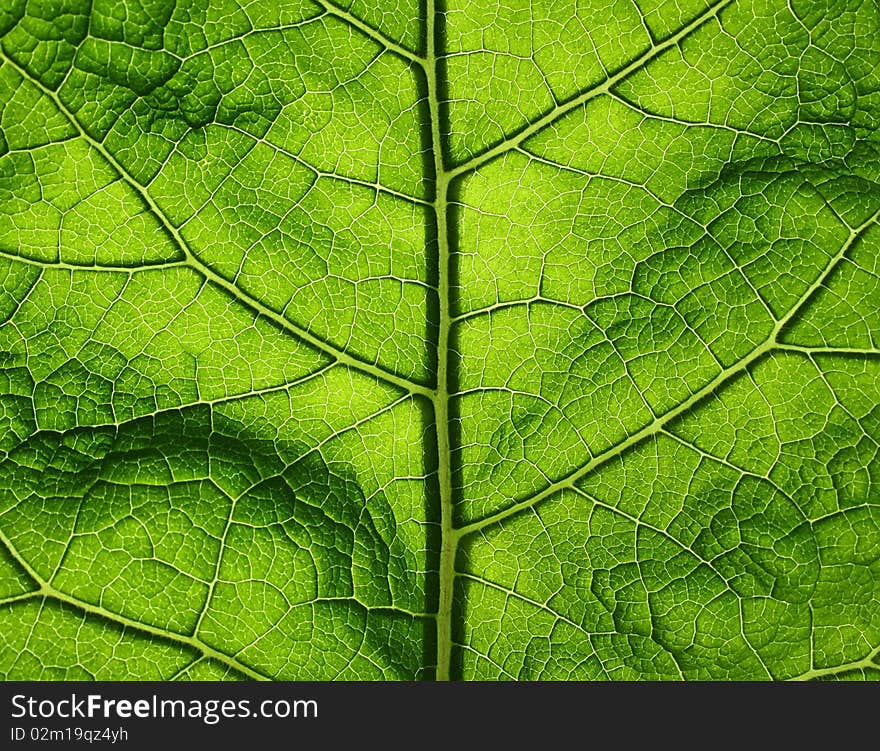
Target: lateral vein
{"points": [[374, 34], [770, 344], [255, 305], [48, 591], [512, 142]]}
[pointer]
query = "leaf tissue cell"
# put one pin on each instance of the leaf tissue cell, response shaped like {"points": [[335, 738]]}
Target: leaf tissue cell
{"points": [[440, 340]]}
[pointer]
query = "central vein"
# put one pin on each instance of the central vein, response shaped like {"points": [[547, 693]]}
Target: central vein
{"points": [[448, 540]]}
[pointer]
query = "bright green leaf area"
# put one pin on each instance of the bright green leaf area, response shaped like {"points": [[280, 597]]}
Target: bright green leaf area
{"points": [[478, 340]]}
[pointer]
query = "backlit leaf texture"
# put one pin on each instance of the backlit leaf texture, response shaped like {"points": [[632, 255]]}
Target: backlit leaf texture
{"points": [[477, 340]]}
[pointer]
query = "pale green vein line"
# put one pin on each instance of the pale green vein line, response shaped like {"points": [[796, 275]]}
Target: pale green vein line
{"points": [[641, 524], [769, 345], [617, 449], [478, 160], [745, 638], [855, 234], [374, 34], [316, 448], [340, 355], [373, 369], [501, 670], [215, 578], [189, 641], [93, 267], [218, 401], [543, 606], [375, 186], [690, 124], [21, 598], [382, 609], [20, 560], [286, 386], [564, 619], [48, 591], [735, 467], [601, 176], [866, 663], [839, 403], [185, 668], [258, 31], [442, 417], [354, 426], [22, 301], [528, 302], [809, 350]]}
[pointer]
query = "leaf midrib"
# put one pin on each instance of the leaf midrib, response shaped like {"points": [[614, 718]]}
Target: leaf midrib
{"points": [[442, 226]]}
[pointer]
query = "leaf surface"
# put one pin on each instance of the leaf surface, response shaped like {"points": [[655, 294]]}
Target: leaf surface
{"points": [[471, 341]]}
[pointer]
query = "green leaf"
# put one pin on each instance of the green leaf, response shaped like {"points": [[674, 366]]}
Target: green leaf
{"points": [[516, 341]]}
